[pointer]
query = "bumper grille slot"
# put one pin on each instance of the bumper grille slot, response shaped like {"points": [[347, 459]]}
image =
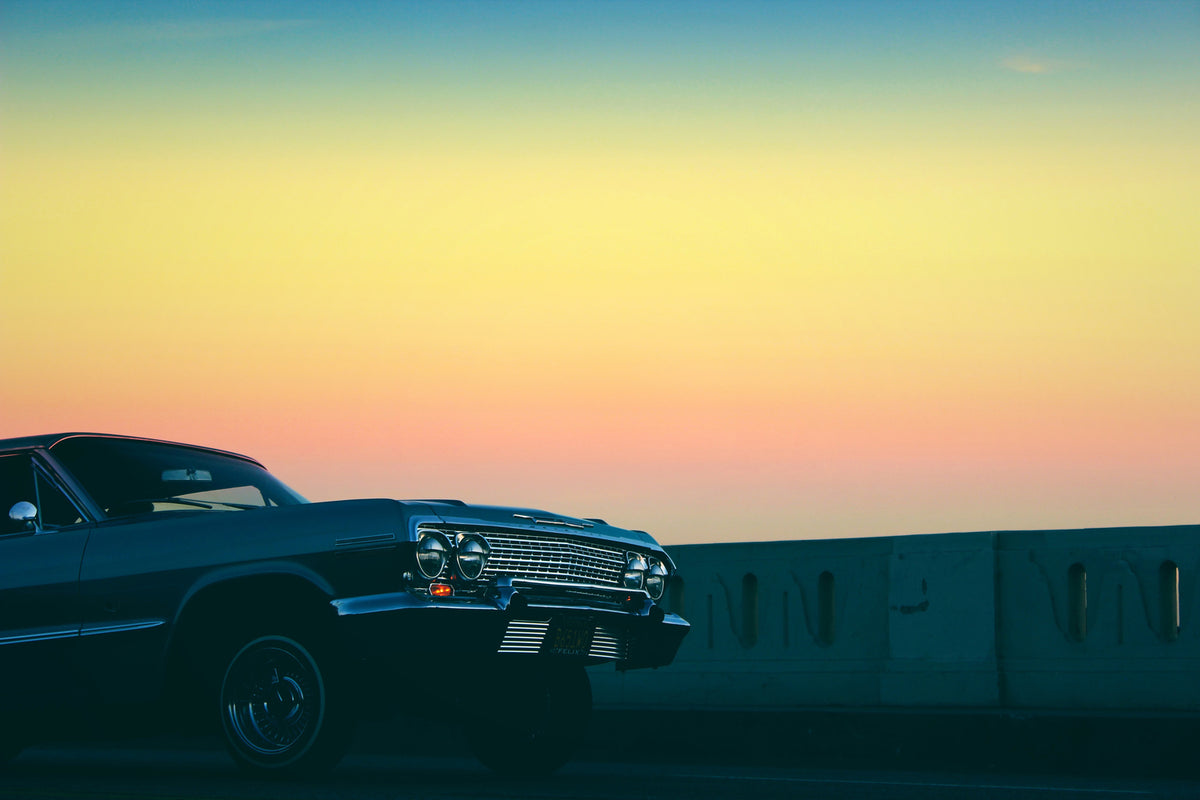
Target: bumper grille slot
{"points": [[607, 643], [524, 636]]}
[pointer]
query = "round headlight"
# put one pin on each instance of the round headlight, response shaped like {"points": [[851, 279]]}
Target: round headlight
{"points": [[656, 579], [473, 554], [433, 550], [634, 576]]}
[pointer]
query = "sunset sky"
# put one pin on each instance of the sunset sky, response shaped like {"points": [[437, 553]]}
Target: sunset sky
{"points": [[721, 271]]}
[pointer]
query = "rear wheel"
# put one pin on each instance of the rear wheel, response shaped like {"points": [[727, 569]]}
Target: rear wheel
{"points": [[535, 722], [283, 710]]}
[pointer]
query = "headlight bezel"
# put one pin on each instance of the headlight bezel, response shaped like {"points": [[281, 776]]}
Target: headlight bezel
{"points": [[476, 550], [429, 542], [634, 574], [657, 576]]}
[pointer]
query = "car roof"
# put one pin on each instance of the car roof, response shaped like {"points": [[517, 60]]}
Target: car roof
{"points": [[48, 440]]}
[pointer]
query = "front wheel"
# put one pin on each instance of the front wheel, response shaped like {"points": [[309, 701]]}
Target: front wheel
{"points": [[282, 711], [535, 722]]}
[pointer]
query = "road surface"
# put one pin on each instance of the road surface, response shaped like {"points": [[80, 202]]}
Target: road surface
{"points": [[79, 772]]}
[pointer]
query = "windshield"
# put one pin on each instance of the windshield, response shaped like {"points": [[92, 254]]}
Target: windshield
{"points": [[127, 477]]}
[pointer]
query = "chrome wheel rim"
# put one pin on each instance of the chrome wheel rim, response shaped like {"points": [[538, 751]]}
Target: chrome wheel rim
{"points": [[271, 697]]}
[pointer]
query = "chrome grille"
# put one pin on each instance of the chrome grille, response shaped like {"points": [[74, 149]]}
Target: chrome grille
{"points": [[524, 555]]}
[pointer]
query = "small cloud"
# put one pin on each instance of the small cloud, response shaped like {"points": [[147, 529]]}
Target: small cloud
{"points": [[1026, 64], [1033, 65]]}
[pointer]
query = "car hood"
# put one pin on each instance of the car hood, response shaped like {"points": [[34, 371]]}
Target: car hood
{"points": [[454, 512]]}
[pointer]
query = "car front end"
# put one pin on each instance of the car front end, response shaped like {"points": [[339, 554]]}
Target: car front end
{"points": [[486, 581]]}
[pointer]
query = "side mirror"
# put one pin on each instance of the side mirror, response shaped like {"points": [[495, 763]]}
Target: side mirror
{"points": [[26, 512]]}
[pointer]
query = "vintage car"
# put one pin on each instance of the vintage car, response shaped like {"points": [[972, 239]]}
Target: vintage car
{"points": [[137, 573]]}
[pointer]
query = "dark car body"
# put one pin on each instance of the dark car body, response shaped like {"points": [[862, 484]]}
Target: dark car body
{"points": [[138, 571]]}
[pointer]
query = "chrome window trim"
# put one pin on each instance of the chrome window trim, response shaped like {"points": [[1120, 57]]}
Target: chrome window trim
{"points": [[43, 471], [69, 486]]}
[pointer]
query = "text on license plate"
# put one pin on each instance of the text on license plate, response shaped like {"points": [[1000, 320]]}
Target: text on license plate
{"points": [[568, 638]]}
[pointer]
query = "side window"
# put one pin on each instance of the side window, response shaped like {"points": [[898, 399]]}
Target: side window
{"points": [[21, 481], [16, 484]]}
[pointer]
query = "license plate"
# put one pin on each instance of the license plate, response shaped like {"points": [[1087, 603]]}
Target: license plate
{"points": [[568, 638]]}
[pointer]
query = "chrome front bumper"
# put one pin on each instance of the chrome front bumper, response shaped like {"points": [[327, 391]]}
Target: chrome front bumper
{"points": [[514, 619]]}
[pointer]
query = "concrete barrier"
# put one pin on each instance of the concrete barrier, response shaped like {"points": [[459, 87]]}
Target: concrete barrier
{"points": [[1095, 620]]}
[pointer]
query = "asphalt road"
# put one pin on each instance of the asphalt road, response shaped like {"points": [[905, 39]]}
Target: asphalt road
{"points": [[175, 773]]}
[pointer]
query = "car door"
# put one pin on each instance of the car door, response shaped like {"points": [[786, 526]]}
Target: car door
{"points": [[39, 588], [131, 584]]}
